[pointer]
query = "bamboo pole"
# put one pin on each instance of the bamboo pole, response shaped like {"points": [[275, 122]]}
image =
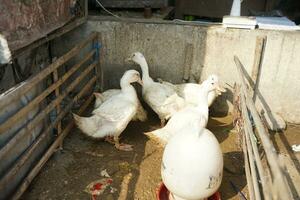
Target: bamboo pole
{"points": [[32, 124], [32, 174], [283, 189], [238, 124], [31, 105], [265, 184], [19, 90], [247, 170], [251, 161], [24, 158]]}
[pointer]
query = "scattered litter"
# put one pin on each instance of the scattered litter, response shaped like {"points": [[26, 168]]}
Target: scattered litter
{"points": [[105, 174], [97, 187], [296, 147], [113, 190]]}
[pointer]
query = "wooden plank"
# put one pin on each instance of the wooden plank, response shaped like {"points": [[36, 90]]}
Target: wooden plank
{"points": [[31, 125], [13, 171], [57, 33], [19, 90], [283, 190], [22, 112], [50, 151]]}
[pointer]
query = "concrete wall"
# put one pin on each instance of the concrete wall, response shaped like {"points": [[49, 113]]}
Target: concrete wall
{"points": [[170, 49]]}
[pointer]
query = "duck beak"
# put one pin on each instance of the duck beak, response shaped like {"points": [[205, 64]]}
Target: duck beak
{"points": [[220, 89], [140, 81]]}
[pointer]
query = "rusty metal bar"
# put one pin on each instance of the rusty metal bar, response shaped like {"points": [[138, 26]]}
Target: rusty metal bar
{"points": [[22, 160], [22, 112], [55, 144], [283, 190], [19, 90]]}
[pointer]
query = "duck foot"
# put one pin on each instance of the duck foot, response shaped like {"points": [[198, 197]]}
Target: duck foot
{"points": [[109, 139], [124, 147], [162, 123]]}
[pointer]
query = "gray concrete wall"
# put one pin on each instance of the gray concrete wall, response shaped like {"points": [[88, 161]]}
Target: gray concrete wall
{"points": [[169, 48]]}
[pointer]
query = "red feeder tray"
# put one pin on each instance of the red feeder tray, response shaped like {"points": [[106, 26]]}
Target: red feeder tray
{"points": [[162, 193]]}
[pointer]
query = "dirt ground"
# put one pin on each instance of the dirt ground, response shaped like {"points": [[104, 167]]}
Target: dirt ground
{"points": [[136, 174]]}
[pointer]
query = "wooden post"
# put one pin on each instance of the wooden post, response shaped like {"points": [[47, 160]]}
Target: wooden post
{"points": [[258, 58], [55, 79]]}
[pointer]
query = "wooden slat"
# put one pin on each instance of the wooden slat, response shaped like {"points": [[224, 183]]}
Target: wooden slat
{"points": [[251, 158], [19, 90], [43, 113], [250, 137], [22, 112], [272, 157], [247, 170], [13, 171], [49, 152]]}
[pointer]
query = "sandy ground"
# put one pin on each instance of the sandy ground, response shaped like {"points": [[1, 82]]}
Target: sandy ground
{"points": [[136, 174]]}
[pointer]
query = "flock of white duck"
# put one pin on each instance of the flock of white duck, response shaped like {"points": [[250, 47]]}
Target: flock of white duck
{"points": [[192, 162]]}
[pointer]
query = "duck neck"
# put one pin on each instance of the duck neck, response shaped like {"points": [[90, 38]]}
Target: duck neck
{"points": [[145, 70], [126, 87], [203, 105]]}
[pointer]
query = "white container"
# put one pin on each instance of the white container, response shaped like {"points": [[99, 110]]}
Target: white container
{"points": [[192, 165]]}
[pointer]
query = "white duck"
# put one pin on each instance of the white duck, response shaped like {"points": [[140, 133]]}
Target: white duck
{"points": [[112, 117], [160, 97], [141, 113], [189, 91], [179, 120], [192, 163], [5, 54]]}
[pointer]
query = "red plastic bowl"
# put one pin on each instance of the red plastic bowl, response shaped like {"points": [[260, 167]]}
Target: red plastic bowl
{"points": [[162, 193]]}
